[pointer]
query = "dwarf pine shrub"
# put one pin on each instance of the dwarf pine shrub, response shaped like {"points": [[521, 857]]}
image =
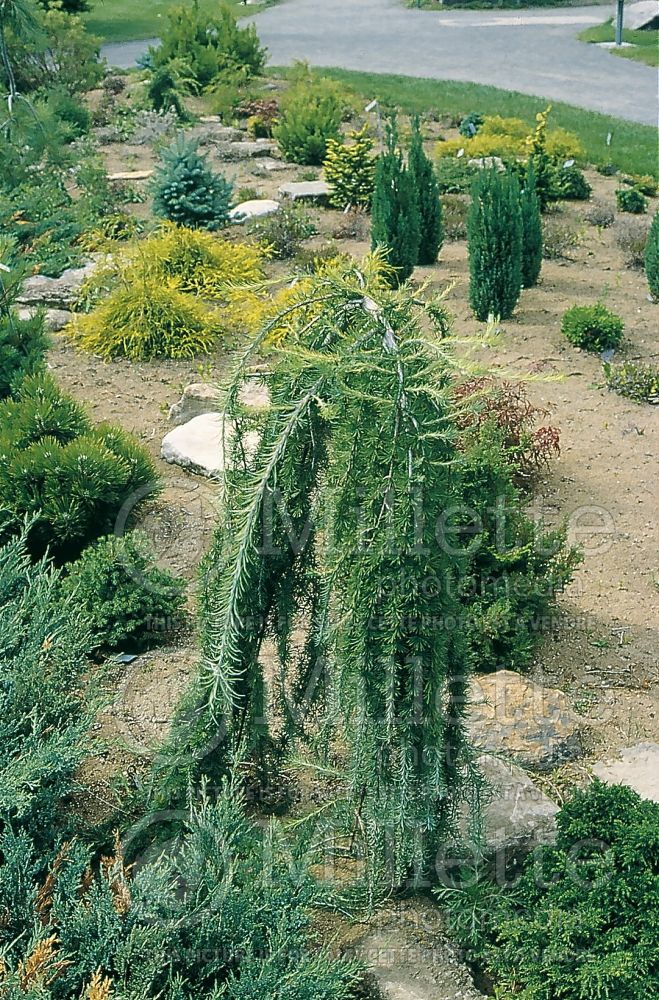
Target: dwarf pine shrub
{"points": [[186, 190], [311, 114], [350, 171], [130, 603], [495, 244], [531, 230], [593, 328], [396, 226], [422, 174], [69, 477], [652, 258]]}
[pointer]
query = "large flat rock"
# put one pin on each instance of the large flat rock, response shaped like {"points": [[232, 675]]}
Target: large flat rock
{"points": [[535, 726], [257, 208], [198, 445], [204, 397], [57, 293], [637, 767], [315, 191]]}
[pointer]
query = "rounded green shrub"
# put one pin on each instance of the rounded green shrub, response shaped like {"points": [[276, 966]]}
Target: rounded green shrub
{"points": [[570, 184], [652, 258], [186, 190], [631, 200], [310, 116], [495, 244], [593, 328], [130, 603]]}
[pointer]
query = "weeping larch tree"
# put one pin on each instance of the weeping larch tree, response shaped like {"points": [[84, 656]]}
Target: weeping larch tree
{"points": [[332, 528]]}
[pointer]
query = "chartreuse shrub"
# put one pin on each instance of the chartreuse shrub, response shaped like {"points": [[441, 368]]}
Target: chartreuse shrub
{"points": [[652, 258], [44, 642], [186, 191], [429, 205], [349, 170], [310, 116], [634, 380], [129, 602], [495, 244], [69, 477], [580, 920], [146, 298], [531, 230], [219, 908], [631, 200], [396, 225], [509, 139], [593, 328]]}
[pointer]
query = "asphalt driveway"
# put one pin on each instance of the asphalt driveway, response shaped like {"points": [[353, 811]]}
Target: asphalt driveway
{"points": [[533, 51]]}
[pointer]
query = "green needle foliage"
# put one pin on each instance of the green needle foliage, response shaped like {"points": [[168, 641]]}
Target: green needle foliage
{"points": [[396, 224], [652, 258], [531, 230], [186, 190], [330, 529], [429, 203], [495, 245], [350, 170]]}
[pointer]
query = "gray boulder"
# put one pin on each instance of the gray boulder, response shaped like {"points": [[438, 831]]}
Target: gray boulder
{"points": [[637, 767], [257, 208], [55, 319], [58, 293], [245, 150], [512, 716], [315, 191], [517, 815], [202, 397]]}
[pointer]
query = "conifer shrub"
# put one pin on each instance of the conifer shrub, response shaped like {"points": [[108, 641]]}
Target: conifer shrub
{"points": [[163, 92], [531, 230], [23, 342], [631, 200], [69, 477], [211, 46], [652, 258], [187, 192], [495, 245], [44, 642], [593, 328], [570, 184], [396, 226], [129, 602], [350, 171], [429, 205], [311, 114], [470, 124], [580, 918]]}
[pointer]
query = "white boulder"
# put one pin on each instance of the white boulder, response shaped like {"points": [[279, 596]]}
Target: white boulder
{"points": [[637, 767], [258, 208]]}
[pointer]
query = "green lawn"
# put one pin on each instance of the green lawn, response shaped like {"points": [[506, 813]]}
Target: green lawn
{"points": [[633, 147], [128, 20], [646, 43]]}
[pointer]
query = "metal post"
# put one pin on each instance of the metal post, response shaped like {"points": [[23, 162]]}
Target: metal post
{"points": [[619, 17]]}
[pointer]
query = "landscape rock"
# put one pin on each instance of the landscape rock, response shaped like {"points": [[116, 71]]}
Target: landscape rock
{"points": [[57, 293], [131, 175], [198, 447], [637, 767], [267, 165], [202, 397], [245, 150], [316, 191], [55, 319], [257, 208], [512, 716], [487, 162], [211, 129], [517, 815], [644, 14]]}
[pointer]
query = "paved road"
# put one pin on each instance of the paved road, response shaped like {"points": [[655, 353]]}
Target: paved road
{"points": [[534, 51]]}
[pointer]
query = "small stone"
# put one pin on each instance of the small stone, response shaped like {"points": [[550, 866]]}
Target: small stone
{"points": [[487, 162], [266, 165], [131, 175], [202, 397], [55, 292], [316, 191], [55, 319], [198, 444], [637, 767], [533, 725], [258, 208]]}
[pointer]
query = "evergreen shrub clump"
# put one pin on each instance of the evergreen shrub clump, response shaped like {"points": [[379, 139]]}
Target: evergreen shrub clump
{"points": [[129, 602], [593, 328], [531, 230], [311, 115], [652, 258], [429, 204], [580, 920], [69, 477], [634, 380], [631, 200], [23, 342], [396, 225], [495, 244], [350, 171], [187, 192], [570, 184]]}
